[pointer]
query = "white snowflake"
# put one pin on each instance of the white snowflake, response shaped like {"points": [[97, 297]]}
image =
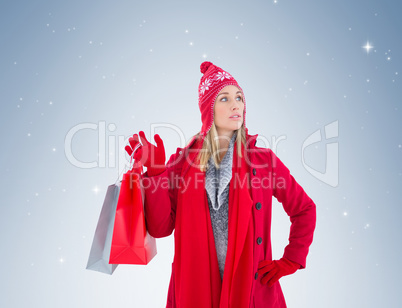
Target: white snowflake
{"points": [[205, 86], [222, 75]]}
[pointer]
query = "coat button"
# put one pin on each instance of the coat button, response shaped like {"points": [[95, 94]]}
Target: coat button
{"points": [[256, 276], [180, 152], [259, 241], [254, 171], [258, 206]]}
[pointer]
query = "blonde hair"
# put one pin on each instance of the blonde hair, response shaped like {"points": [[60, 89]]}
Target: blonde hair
{"points": [[210, 146]]}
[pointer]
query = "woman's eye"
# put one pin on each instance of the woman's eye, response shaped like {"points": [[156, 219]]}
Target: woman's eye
{"points": [[241, 99]]}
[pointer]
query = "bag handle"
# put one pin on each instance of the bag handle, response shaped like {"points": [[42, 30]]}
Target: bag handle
{"points": [[131, 160]]}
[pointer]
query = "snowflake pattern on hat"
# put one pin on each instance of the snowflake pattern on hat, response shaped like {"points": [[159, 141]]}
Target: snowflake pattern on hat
{"points": [[222, 75], [205, 85]]}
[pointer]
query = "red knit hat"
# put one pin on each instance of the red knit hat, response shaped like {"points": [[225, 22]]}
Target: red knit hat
{"points": [[211, 83]]}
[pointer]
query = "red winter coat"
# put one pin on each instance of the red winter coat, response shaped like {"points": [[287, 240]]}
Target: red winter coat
{"points": [[270, 177]]}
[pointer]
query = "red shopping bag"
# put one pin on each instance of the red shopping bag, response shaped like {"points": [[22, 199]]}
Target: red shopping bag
{"points": [[131, 243]]}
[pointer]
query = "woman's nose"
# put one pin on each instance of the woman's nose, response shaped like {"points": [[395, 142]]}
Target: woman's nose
{"points": [[236, 105]]}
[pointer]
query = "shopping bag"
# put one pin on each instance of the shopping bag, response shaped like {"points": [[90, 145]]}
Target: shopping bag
{"points": [[100, 251], [131, 242]]}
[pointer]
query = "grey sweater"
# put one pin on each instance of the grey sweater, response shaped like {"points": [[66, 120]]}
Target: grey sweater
{"points": [[217, 186]]}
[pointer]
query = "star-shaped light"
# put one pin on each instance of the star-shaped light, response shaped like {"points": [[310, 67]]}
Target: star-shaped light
{"points": [[368, 46]]}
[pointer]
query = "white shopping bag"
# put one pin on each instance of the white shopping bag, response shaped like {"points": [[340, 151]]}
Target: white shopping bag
{"points": [[100, 251]]}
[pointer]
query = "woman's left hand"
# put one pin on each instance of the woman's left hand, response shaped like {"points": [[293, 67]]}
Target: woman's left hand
{"points": [[274, 270]]}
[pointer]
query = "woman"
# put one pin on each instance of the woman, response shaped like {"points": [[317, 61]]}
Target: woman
{"points": [[217, 194]]}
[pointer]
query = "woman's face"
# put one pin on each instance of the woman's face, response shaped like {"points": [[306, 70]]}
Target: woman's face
{"points": [[228, 104]]}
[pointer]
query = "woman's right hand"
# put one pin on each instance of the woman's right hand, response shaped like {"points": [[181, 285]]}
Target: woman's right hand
{"points": [[152, 157]]}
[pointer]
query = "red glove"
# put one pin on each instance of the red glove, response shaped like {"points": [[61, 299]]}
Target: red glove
{"points": [[152, 157], [276, 269]]}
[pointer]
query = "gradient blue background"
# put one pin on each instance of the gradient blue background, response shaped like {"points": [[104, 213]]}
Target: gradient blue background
{"points": [[133, 64]]}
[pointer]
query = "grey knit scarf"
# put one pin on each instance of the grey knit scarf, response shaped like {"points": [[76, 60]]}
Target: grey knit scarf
{"points": [[217, 187]]}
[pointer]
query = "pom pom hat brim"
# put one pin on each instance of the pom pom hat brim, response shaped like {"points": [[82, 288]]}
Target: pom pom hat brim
{"points": [[214, 79]]}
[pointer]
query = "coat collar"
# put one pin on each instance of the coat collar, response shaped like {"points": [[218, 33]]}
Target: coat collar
{"points": [[251, 140]]}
